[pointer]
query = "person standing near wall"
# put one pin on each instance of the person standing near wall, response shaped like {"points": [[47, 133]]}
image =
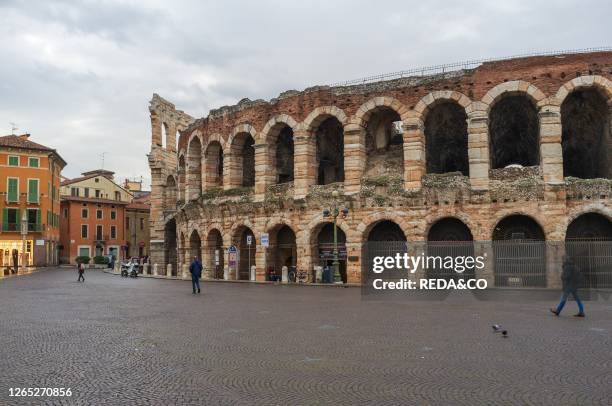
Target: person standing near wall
{"points": [[196, 271], [571, 279]]}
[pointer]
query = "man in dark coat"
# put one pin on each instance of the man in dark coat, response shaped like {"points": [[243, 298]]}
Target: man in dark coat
{"points": [[571, 278], [196, 271]]}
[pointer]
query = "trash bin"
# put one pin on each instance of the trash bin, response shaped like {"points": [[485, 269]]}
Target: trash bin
{"points": [[327, 275]]}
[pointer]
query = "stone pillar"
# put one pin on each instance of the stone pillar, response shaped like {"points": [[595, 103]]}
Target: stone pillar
{"points": [[156, 131], [185, 271], [485, 249], [145, 269], [478, 149], [354, 157], [253, 273], [304, 256], [194, 176], [264, 176], [169, 271], [155, 269], [232, 170], [353, 268], [551, 153], [261, 263], [414, 153], [284, 274], [171, 137], [305, 162]]}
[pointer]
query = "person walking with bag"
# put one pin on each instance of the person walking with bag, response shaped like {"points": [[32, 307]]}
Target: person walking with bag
{"points": [[81, 267], [196, 271], [571, 278]]}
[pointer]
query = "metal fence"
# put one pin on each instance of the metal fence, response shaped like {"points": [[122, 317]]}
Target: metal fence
{"points": [[594, 260], [437, 69], [520, 263]]}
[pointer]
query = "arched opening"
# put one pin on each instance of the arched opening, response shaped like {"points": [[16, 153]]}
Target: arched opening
{"points": [[450, 238], [194, 168], [446, 139], [329, 137], [170, 194], [324, 248], [214, 165], [384, 143], [387, 231], [587, 150], [588, 242], [164, 135], [170, 244], [514, 132], [384, 239], [283, 250], [246, 252], [242, 171], [283, 161], [520, 252], [214, 248], [195, 246], [181, 178]]}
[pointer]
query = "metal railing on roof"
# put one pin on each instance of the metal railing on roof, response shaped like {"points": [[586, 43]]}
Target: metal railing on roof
{"points": [[449, 67]]}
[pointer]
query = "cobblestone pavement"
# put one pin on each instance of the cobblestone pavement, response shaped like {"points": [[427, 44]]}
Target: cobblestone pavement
{"points": [[122, 341]]}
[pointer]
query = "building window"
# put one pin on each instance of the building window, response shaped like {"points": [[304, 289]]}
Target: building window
{"points": [[86, 192], [84, 231], [74, 191], [13, 160], [83, 251], [10, 219], [99, 214], [117, 195], [32, 190], [113, 214], [97, 180], [99, 232], [66, 213], [84, 213], [34, 220], [127, 223], [33, 162], [141, 223], [113, 232], [12, 192], [97, 193]]}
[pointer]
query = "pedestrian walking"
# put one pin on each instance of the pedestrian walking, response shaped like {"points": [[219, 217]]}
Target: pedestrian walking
{"points": [[81, 267], [196, 271], [571, 278]]}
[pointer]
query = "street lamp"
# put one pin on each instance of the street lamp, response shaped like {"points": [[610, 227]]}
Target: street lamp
{"points": [[334, 212], [24, 233]]}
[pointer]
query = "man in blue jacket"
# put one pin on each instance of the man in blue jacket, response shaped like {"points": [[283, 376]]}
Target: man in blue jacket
{"points": [[572, 279], [196, 271]]}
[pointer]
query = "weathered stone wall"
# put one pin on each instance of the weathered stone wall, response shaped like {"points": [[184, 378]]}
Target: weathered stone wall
{"points": [[409, 196]]}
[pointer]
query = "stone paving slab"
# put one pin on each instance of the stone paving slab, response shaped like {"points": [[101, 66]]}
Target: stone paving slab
{"points": [[124, 341]]}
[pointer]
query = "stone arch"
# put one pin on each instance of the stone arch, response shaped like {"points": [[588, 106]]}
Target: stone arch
{"points": [[514, 124], [278, 136], [585, 130], [283, 247], [170, 193], [240, 129], [384, 231], [519, 252], [194, 167], [320, 114], [581, 82], [449, 228], [363, 113], [450, 237], [246, 253], [195, 246], [321, 245], [590, 225], [363, 229], [214, 249], [213, 165], [381, 120], [241, 160]]}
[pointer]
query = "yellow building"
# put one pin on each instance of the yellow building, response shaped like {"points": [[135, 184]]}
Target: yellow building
{"points": [[29, 183]]}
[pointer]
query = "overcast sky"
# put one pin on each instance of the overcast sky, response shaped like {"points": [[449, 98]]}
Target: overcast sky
{"points": [[78, 75]]}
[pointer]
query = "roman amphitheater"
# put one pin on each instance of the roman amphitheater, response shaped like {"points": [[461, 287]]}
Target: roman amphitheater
{"points": [[515, 151]]}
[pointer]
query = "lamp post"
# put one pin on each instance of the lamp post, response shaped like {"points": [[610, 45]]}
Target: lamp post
{"points": [[334, 212], [24, 233]]}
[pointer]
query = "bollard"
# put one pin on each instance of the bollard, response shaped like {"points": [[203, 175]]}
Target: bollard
{"points": [[253, 273], [318, 274], [145, 269], [169, 271], [185, 271], [285, 274], [155, 272], [226, 273]]}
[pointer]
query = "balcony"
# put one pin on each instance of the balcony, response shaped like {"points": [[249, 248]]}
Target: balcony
{"points": [[16, 227], [101, 239]]}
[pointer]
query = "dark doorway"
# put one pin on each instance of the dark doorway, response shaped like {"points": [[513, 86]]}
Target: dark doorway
{"points": [[330, 151], [446, 139]]}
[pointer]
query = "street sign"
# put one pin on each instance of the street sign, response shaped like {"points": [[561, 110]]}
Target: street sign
{"points": [[249, 239], [232, 249], [233, 256], [265, 240]]}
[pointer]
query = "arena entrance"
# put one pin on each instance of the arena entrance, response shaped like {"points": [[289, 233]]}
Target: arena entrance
{"points": [[325, 249], [246, 252], [282, 251], [215, 253], [520, 252], [450, 237], [385, 239], [170, 244], [588, 241]]}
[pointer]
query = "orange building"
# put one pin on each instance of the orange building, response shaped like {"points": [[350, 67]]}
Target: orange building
{"points": [[29, 182], [93, 211]]}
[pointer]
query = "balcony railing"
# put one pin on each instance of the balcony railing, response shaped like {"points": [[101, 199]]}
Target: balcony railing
{"points": [[16, 227]]}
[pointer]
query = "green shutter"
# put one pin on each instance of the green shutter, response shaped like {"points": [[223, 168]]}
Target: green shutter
{"points": [[5, 219], [38, 215], [12, 190], [33, 191], [33, 162], [13, 161]]}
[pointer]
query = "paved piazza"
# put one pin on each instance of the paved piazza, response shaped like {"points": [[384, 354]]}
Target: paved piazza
{"points": [[147, 341]]}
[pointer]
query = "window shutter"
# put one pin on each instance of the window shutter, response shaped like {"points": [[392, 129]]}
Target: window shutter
{"points": [[38, 214], [33, 191], [5, 219], [12, 190]]}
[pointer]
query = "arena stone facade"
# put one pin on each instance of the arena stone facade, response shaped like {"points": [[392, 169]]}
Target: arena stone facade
{"points": [[521, 145]]}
